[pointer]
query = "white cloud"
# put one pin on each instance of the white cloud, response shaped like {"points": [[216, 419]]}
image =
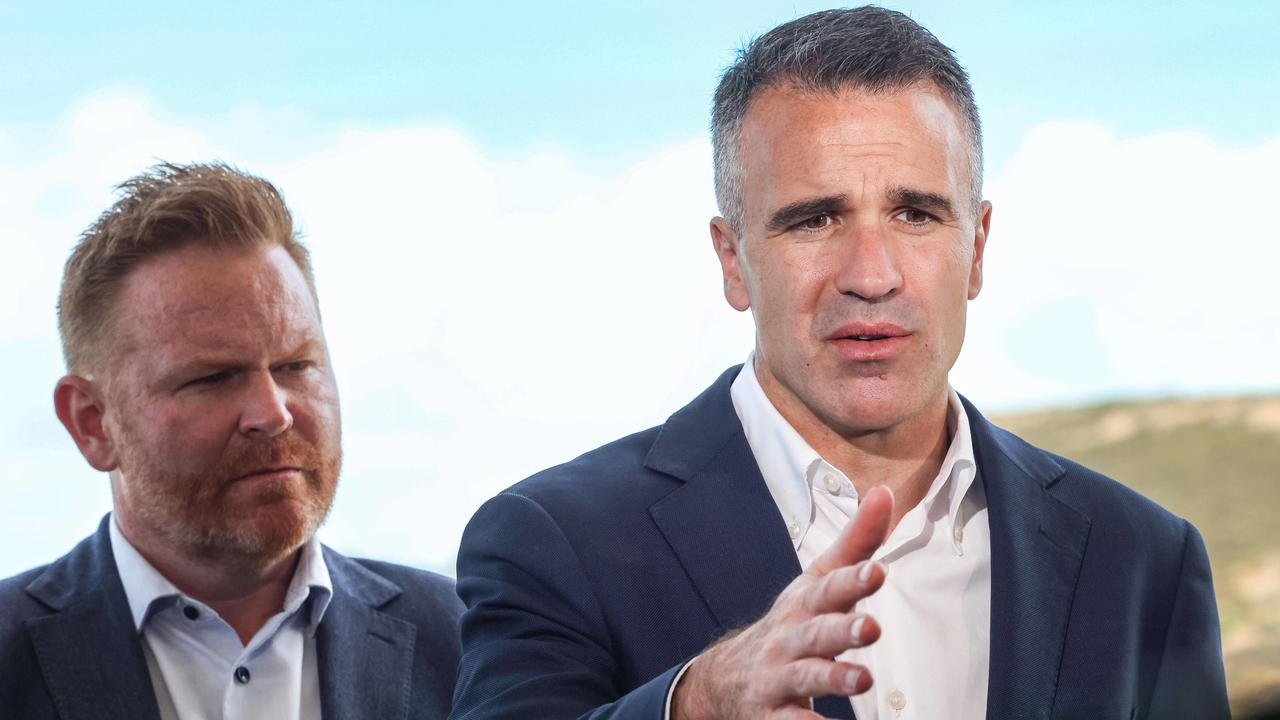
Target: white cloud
{"points": [[489, 318], [1127, 267]]}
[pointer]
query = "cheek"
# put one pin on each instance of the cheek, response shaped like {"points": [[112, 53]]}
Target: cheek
{"points": [[319, 421], [787, 290], [944, 270], [192, 434], [316, 413], [148, 443], [950, 305]]}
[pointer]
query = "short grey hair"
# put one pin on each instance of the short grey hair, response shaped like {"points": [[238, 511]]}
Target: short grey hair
{"points": [[867, 48]]}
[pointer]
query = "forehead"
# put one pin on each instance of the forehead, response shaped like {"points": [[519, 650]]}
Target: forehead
{"points": [[221, 302], [789, 133]]}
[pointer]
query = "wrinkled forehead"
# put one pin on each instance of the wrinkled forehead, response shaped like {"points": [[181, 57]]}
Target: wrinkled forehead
{"points": [[786, 111], [794, 133], [213, 301]]}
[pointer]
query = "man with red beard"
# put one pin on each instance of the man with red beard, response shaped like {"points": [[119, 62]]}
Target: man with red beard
{"points": [[199, 380]]}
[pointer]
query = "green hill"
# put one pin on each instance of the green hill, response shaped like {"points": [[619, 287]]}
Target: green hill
{"points": [[1215, 462]]}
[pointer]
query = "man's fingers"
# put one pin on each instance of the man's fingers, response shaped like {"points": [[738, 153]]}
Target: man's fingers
{"points": [[829, 635], [860, 538], [815, 677], [841, 588], [810, 623]]}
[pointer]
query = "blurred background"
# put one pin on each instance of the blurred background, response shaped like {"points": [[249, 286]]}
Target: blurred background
{"points": [[507, 206]]}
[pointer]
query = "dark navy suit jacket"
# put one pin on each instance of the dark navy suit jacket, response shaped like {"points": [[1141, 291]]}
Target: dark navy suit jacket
{"points": [[589, 584], [387, 646]]}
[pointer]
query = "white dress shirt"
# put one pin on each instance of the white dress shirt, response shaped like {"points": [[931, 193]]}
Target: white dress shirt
{"points": [[935, 606], [199, 668]]}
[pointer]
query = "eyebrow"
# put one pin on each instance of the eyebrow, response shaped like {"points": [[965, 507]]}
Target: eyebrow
{"points": [[789, 215], [932, 202], [210, 364]]}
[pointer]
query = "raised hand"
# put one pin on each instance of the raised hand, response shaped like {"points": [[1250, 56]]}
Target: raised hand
{"points": [[775, 666]]}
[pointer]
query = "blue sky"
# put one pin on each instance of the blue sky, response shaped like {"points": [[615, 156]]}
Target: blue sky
{"points": [[609, 82], [543, 168]]}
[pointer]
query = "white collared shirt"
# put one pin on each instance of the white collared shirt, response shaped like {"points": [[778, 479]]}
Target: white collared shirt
{"points": [[199, 668], [935, 606]]}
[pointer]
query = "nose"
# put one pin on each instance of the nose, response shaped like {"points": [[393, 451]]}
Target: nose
{"points": [[868, 267], [265, 412]]}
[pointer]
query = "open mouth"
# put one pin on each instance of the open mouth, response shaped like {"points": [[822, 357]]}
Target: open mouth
{"points": [[869, 342]]}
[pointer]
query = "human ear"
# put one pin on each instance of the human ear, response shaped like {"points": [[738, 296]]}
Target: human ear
{"points": [[80, 407], [981, 227], [725, 241]]}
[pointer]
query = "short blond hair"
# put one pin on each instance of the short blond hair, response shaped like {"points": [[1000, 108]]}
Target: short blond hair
{"points": [[166, 208]]}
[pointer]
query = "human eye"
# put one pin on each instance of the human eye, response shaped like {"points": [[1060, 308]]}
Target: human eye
{"points": [[295, 367], [817, 223], [210, 380], [915, 217], [299, 369]]}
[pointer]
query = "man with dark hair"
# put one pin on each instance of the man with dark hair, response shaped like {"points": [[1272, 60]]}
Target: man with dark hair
{"points": [[199, 380], [744, 559]]}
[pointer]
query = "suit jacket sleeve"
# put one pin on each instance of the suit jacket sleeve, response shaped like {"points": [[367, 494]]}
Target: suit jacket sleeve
{"points": [[1190, 682], [534, 638]]}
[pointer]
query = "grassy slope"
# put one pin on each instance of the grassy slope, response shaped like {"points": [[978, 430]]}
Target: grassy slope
{"points": [[1216, 463]]}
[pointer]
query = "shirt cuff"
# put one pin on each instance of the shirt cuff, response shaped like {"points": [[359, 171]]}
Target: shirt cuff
{"points": [[671, 691]]}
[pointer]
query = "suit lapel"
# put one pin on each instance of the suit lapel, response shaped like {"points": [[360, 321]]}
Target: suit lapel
{"points": [[727, 533], [365, 656], [89, 651], [723, 524], [1037, 547]]}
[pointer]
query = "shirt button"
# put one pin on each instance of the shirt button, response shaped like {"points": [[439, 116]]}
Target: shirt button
{"points": [[897, 700], [242, 675], [958, 533], [833, 484], [191, 613], [794, 530]]}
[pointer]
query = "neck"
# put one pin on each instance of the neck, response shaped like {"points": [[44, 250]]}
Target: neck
{"points": [[245, 594], [905, 457]]}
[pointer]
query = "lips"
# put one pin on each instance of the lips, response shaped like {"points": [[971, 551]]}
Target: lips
{"points": [[869, 342], [275, 471]]}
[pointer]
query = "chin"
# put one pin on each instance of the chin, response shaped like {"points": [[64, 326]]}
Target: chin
{"points": [[263, 534], [868, 420], [252, 543], [873, 404]]}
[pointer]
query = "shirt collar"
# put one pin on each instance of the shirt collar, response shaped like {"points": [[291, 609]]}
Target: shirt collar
{"points": [[789, 464], [310, 580], [786, 461], [148, 591]]}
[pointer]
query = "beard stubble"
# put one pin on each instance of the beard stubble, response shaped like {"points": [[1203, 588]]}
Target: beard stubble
{"points": [[212, 518]]}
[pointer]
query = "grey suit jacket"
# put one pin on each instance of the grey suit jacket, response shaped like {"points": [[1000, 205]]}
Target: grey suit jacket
{"points": [[387, 646]]}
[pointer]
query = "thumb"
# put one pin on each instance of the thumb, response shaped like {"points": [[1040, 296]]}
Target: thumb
{"points": [[860, 538]]}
